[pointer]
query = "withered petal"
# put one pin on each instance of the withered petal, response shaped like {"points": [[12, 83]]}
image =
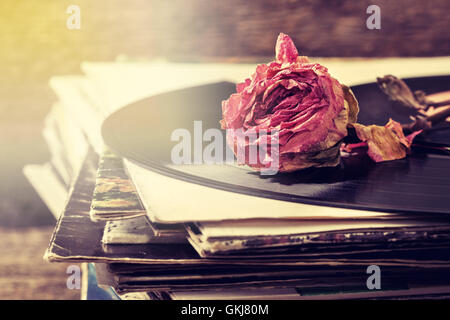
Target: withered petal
{"points": [[384, 143]]}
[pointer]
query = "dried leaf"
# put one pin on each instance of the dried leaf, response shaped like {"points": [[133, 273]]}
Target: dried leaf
{"points": [[383, 143]]}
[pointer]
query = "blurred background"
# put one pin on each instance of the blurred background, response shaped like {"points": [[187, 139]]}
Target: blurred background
{"points": [[35, 44]]}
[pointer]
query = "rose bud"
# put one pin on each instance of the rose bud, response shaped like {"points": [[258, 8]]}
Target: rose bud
{"points": [[295, 111]]}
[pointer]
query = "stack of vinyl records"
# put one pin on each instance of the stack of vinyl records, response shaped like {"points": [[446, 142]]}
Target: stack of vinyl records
{"points": [[153, 229]]}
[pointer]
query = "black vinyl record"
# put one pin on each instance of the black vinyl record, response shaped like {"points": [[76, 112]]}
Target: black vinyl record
{"points": [[420, 183]]}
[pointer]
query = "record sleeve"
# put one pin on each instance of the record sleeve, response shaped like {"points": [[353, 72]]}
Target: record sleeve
{"points": [[115, 196], [77, 238]]}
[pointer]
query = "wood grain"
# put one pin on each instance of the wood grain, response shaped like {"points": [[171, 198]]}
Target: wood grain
{"points": [[23, 272], [36, 42]]}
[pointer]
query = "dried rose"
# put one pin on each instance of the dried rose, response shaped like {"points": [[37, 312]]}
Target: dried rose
{"points": [[299, 100]]}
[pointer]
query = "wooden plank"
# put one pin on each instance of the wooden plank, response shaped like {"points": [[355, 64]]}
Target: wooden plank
{"points": [[23, 272]]}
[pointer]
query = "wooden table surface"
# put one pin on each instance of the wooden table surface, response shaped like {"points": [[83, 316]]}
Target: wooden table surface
{"points": [[23, 272]]}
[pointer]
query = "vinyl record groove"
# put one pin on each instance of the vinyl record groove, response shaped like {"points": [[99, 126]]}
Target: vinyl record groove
{"points": [[141, 132]]}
